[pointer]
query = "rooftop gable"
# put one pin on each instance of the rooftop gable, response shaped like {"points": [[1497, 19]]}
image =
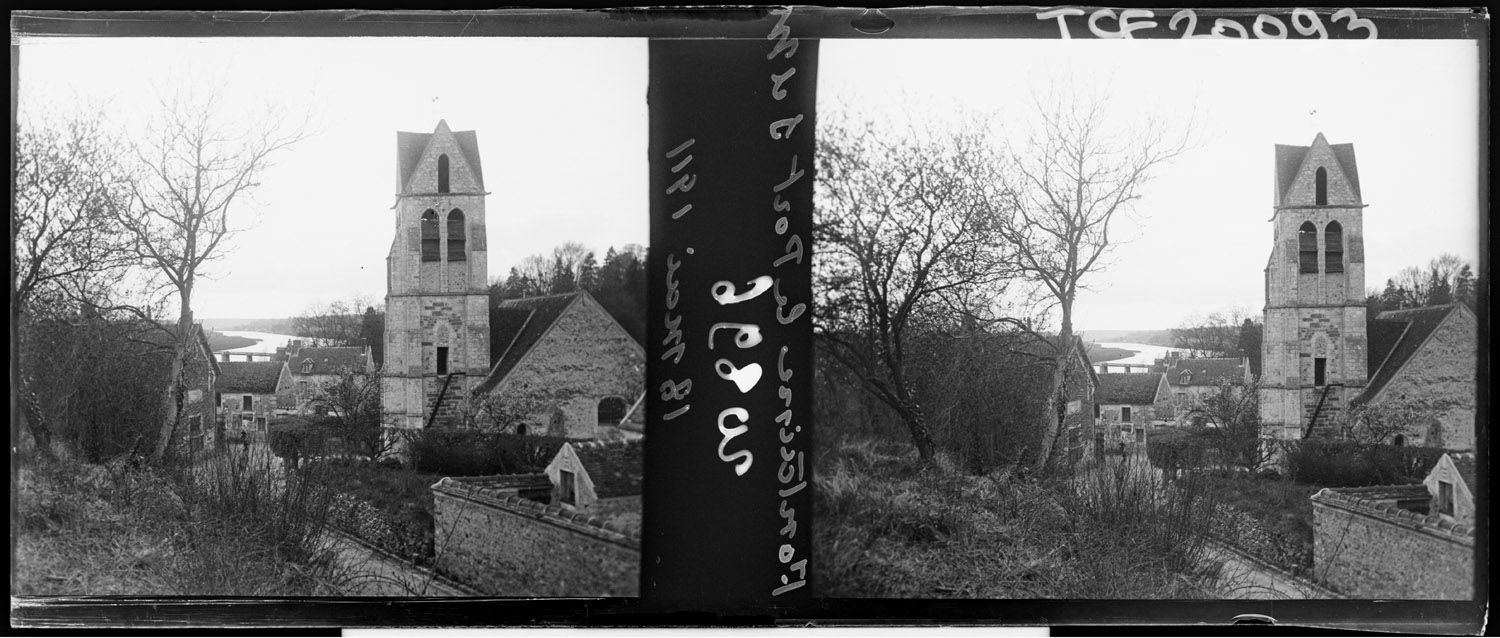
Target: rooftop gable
{"points": [[1208, 371], [1295, 163], [614, 467], [1417, 325], [1128, 389], [419, 151], [330, 360], [255, 377]]}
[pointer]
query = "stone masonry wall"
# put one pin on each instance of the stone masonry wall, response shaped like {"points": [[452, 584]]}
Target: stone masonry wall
{"points": [[505, 545], [1440, 380], [585, 359], [1366, 550]]}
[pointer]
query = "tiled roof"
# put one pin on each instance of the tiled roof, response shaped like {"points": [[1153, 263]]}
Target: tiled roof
{"points": [[1127, 389], [258, 377], [614, 467], [1207, 371], [1289, 161], [516, 325], [410, 146], [1416, 325], [329, 360]]}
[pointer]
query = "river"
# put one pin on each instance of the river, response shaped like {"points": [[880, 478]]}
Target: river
{"points": [[267, 342], [1144, 353]]}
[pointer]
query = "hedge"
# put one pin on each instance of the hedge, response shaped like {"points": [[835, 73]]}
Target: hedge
{"points": [[452, 452], [1338, 463]]}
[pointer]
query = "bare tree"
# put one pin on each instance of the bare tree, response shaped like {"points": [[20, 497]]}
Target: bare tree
{"points": [[335, 323], [503, 412], [1077, 174], [67, 187], [354, 409], [1217, 335], [193, 169], [1233, 414], [906, 227]]}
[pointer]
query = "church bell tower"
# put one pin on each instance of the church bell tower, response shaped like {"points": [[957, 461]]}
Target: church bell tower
{"points": [[1314, 349], [436, 308]]}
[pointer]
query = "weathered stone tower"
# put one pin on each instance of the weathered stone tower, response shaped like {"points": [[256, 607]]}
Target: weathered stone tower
{"points": [[1314, 352], [437, 346]]}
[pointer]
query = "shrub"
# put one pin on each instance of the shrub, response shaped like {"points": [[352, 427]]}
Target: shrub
{"points": [[1341, 463], [1174, 449], [298, 438], [451, 452]]}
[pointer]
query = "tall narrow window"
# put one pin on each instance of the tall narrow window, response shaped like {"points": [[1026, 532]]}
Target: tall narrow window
{"points": [[442, 360], [1333, 248], [443, 173], [1307, 248], [1320, 371], [1125, 414], [567, 487], [455, 235], [430, 245], [247, 402], [1320, 186], [1445, 498]]}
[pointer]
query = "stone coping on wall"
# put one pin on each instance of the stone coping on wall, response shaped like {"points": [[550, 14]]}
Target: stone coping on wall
{"points": [[486, 490], [1364, 500]]}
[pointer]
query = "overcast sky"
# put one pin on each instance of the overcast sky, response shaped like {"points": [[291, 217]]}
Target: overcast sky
{"points": [[561, 124], [1201, 233]]}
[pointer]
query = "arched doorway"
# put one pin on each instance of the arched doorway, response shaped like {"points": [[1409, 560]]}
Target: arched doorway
{"points": [[612, 410]]}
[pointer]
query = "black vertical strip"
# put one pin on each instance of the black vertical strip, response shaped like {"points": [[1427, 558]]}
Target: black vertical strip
{"points": [[728, 446]]}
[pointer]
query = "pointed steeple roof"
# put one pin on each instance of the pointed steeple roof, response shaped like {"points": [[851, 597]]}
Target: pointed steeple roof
{"points": [[411, 147], [1291, 159]]}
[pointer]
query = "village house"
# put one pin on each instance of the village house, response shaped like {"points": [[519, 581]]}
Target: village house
{"points": [[1128, 405], [1193, 381], [601, 479], [572, 362], [315, 368], [1425, 362], [1400, 541], [249, 393]]}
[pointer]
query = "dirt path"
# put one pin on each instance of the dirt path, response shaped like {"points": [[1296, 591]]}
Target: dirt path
{"points": [[1245, 578], [366, 571]]}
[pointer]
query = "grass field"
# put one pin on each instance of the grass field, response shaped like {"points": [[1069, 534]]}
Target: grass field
{"points": [[891, 527]]}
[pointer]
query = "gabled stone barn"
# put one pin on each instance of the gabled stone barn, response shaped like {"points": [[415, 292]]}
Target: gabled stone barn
{"points": [[1426, 368], [566, 356]]}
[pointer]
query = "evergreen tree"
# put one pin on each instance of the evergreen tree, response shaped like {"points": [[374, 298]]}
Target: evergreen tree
{"points": [[588, 274], [1463, 287], [563, 279]]}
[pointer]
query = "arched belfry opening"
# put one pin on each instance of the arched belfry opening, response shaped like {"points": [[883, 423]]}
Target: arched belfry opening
{"points": [[430, 241], [1333, 247], [1307, 248], [455, 235]]}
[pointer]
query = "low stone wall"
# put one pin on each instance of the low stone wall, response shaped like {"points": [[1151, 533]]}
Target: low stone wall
{"points": [[368, 523], [1249, 535], [504, 545], [1369, 549]]}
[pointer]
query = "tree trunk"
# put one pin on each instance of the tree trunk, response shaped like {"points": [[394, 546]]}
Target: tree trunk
{"points": [[172, 398], [36, 420], [1057, 397], [921, 435]]}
